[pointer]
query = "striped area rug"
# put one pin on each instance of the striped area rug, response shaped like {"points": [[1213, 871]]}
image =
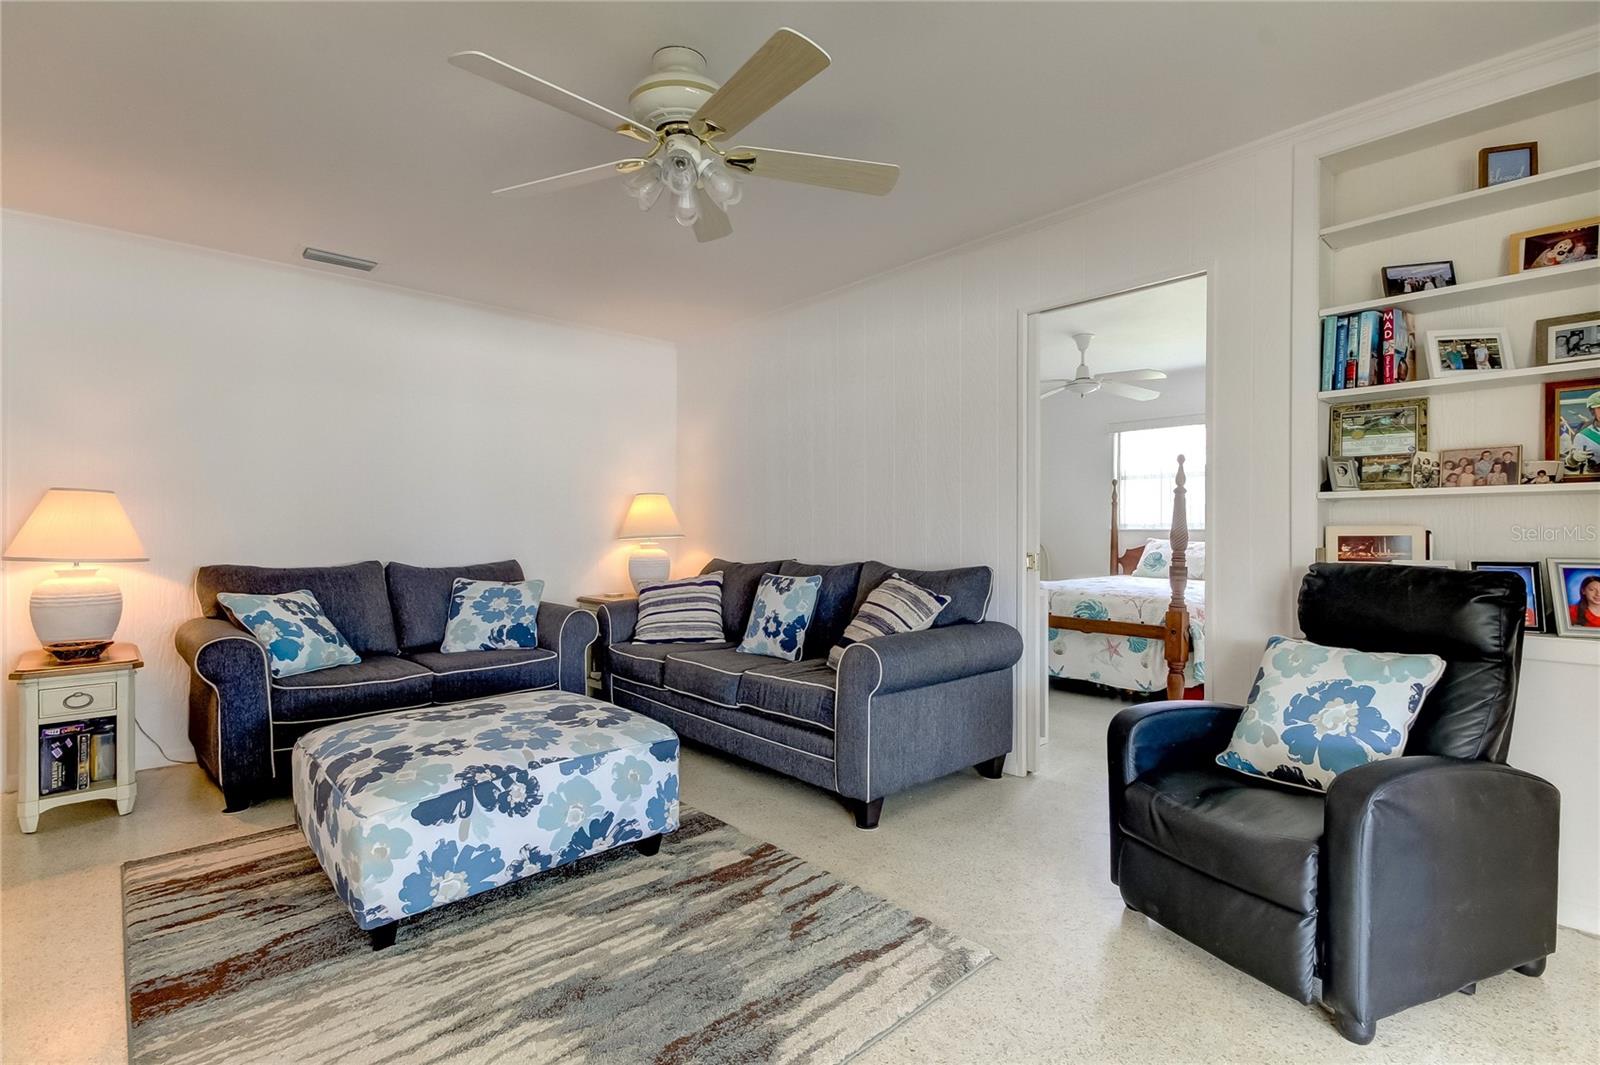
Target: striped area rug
{"points": [[720, 949]]}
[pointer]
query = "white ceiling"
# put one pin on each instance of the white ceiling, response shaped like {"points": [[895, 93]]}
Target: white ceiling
{"points": [[262, 127], [1158, 328]]}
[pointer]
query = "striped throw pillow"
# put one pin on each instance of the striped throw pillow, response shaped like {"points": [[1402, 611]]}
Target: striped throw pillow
{"points": [[894, 606], [686, 611]]}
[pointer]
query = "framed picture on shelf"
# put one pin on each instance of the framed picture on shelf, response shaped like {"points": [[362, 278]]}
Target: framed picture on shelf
{"points": [[1507, 162], [1533, 579], [1385, 427], [1375, 543], [1425, 469], [1575, 586], [1569, 338], [1479, 467], [1418, 277], [1572, 427], [1557, 245], [1344, 475], [1453, 351], [1380, 472], [1541, 471]]}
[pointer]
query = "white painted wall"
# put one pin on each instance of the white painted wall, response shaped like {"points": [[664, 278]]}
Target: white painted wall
{"points": [[250, 412], [1075, 469]]}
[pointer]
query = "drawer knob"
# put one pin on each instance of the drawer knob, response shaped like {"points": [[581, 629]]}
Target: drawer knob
{"points": [[78, 700]]}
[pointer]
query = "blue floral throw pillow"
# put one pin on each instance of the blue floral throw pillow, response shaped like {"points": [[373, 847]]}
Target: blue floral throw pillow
{"points": [[779, 617], [492, 615], [298, 636], [1316, 711]]}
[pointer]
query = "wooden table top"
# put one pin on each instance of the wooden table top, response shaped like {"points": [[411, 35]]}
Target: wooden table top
{"points": [[39, 663]]}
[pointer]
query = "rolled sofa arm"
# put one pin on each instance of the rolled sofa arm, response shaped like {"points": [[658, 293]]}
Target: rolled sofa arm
{"points": [[909, 660], [568, 631], [229, 706], [617, 621], [1440, 872]]}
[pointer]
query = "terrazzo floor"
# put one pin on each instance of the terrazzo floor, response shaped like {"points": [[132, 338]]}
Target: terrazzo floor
{"points": [[1018, 865]]}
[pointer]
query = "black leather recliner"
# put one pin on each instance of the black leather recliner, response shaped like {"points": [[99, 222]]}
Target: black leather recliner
{"points": [[1414, 877]]}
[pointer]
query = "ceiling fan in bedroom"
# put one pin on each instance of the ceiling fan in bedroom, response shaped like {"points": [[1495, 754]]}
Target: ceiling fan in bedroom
{"points": [[1114, 384], [682, 115]]}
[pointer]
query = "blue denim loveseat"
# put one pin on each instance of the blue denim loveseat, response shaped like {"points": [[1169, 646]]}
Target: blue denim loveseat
{"points": [[243, 722], [899, 711]]}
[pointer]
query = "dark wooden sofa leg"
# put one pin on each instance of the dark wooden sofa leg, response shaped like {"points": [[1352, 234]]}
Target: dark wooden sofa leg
{"points": [[1533, 968], [992, 768], [867, 813], [648, 847], [383, 935]]}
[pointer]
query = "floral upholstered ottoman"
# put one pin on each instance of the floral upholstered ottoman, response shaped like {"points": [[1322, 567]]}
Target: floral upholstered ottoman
{"points": [[416, 809]]}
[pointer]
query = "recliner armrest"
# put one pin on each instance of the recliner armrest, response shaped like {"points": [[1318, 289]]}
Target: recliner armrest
{"points": [[909, 660], [568, 631], [1440, 872]]}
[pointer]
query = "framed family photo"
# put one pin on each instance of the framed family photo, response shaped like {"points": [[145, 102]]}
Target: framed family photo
{"points": [[1479, 467], [1533, 579], [1575, 586], [1569, 338], [1572, 427], [1456, 351], [1558, 245], [1375, 543], [1418, 277]]}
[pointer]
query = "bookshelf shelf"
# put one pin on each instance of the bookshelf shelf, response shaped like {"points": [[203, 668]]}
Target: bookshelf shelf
{"points": [[1441, 494], [1508, 286], [1543, 188], [1472, 382]]}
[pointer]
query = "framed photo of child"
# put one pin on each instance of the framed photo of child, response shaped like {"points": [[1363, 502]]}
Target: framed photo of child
{"points": [[1575, 584], [1572, 427], [1533, 578]]}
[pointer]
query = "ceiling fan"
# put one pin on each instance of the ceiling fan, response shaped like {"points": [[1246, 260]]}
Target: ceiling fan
{"points": [[1115, 384], [681, 114]]}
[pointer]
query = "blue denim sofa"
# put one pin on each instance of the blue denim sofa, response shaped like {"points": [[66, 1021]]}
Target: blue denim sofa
{"points": [[243, 723], [899, 711]]}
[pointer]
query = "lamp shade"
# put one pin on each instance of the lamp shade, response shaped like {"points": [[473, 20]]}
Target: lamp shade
{"points": [[77, 525], [650, 517]]}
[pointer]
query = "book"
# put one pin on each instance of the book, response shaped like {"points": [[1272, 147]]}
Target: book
{"points": [[1330, 349], [1368, 348], [1343, 376], [1397, 341], [103, 751], [59, 757]]}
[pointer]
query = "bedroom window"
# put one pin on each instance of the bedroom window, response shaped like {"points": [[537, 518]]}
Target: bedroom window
{"points": [[1145, 461]]}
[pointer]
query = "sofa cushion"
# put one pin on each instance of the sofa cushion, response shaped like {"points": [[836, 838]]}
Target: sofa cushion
{"points": [[421, 597], [893, 607], [836, 603], [461, 675], [780, 616], [793, 691], [968, 588], [688, 610], [297, 635], [645, 662], [1256, 837], [711, 675], [355, 597], [382, 682], [739, 580], [492, 615]]}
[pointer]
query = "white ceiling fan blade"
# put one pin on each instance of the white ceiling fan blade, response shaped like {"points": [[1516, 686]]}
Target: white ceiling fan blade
{"points": [[1050, 388], [787, 61], [713, 222], [1117, 388], [572, 178], [831, 172], [501, 73], [1132, 375]]}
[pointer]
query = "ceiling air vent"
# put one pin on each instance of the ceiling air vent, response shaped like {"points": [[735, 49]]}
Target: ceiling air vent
{"points": [[333, 258]]}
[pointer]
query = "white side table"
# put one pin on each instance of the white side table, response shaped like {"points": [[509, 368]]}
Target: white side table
{"points": [[593, 603], [58, 693]]}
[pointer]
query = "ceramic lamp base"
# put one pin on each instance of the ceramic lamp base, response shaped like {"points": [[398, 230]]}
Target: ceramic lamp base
{"points": [[74, 611], [647, 564]]}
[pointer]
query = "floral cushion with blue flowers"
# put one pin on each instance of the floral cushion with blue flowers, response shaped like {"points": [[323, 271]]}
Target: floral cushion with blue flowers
{"points": [[1156, 560], [492, 615], [780, 615], [1317, 711], [298, 636]]}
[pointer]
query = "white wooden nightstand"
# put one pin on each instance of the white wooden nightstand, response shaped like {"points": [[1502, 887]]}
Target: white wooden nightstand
{"points": [[593, 603], [56, 694]]}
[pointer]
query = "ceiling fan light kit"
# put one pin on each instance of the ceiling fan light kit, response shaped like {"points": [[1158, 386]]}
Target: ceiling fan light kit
{"points": [[681, 113]]}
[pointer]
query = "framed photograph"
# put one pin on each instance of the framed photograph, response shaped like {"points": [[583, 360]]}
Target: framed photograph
{"points": [[1453, 351], [1387, 427], [1533, 614], [1558, 245], [1541, 471], [1569, 338], [1572, 427], [1575, 585], [1344, 474], [1425, 469], [1507, 162], [1418, 277], [1478, 467], [1386, 471], [1375, 543]]}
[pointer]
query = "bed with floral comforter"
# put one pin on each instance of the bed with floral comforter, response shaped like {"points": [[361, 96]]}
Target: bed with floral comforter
{"points": [[1131, 663]]}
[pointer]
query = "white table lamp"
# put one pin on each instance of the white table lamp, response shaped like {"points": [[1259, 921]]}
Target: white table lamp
{"points": [[75, 613], [650, 518]]}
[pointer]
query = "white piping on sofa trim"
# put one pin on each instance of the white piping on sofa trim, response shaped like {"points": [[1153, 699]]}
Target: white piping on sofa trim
{"points": [[870, 694], [760, 671], [266, 672], [354, 683], [719, 724], [714, 669], [548, 655], [780, 713], [561, 635]]}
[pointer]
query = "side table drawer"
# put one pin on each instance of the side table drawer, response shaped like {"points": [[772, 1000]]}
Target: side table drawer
{"points": [[78, 700]]}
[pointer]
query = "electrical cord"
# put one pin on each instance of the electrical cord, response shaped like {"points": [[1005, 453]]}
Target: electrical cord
{"points": [[163, 750]]}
